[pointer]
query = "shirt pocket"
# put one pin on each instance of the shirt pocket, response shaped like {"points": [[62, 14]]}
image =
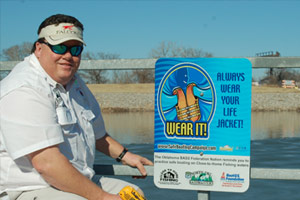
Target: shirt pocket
{"points": [[65, 116], [68, 123], [88, 117]]}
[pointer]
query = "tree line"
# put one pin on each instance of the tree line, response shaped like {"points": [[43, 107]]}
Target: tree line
{"points": [[164, 49]]}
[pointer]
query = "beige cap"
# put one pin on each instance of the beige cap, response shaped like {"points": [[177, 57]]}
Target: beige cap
{"points": [[57, 34]]}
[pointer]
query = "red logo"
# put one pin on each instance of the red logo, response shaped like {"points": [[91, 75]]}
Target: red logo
{"points": [[68, 27], [223, 176]]}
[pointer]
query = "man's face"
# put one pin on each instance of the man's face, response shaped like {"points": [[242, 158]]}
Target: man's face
{"points": [[60, 68]]}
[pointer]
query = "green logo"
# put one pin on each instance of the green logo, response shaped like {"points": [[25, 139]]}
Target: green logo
{"points": [[199, 178]]}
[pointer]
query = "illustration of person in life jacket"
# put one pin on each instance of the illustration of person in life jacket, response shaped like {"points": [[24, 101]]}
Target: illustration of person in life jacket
{"points": [[187, 94]]}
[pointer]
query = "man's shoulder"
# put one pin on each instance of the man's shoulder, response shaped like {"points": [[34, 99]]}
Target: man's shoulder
{"points": [[24, 74], [79, 83], [80, 89]]}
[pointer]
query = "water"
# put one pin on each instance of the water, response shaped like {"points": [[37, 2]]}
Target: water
{"points": [[275, 143]]}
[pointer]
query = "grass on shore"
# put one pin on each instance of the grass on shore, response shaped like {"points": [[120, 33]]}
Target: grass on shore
{"points": [[149, 88], [273, 89], [122, 88]]}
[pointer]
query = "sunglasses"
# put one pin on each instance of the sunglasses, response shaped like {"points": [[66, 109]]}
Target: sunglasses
{"points": [[62, 49]]}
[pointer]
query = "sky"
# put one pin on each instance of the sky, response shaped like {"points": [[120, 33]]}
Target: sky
{"points": [[133, 28]]}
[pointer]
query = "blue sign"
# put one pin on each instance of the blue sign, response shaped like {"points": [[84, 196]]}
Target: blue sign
{"points": [[202, 123]]}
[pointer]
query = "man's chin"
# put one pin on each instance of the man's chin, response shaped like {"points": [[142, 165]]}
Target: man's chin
{"points": [[64, 80]]}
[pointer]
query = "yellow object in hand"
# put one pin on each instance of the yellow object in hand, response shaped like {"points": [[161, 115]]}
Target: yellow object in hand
{"points": [[129, 193]]}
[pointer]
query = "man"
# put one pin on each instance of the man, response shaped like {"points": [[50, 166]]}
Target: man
{"points": [[51, 124]]}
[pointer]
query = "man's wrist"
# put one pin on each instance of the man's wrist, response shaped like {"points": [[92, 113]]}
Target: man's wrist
{"points": [[119, 158]]}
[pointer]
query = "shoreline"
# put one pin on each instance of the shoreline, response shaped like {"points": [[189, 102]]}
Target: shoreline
{"points": [[140, 98]]}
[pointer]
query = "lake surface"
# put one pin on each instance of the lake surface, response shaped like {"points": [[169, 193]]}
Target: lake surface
{"points": [[275, 143]]}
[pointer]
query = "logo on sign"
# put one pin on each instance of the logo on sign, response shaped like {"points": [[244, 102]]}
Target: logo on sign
{"points": [[232, 180], [169, 177], [186, 102], [199, 178]]}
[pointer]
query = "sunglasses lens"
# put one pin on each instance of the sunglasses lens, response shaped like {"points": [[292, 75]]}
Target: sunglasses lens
{"points": [[76, 50], [62, 49], [59, 49]]}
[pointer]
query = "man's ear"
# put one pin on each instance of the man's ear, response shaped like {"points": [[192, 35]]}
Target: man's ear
{"points": [[38, 49]]}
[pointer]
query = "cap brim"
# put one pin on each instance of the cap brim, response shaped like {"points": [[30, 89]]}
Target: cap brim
{"points": [[54, 41]]}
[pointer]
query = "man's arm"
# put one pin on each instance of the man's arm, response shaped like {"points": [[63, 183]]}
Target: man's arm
{"points": [[112, 148], [56, 169]]}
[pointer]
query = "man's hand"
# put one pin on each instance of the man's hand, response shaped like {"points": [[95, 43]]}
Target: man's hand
{"points": [[112, 148], [137, 161]]}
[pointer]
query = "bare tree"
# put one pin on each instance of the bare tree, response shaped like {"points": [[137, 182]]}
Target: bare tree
{"points": [[165, 49], [97, 75], [194, 53], [144, 75], [280, 74], [108, 56], [123, 77], [99, 56], [87, 55], [17, 52], [171, 49]]}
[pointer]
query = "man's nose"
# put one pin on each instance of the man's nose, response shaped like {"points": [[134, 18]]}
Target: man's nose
{"points": [[67, 54]]}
